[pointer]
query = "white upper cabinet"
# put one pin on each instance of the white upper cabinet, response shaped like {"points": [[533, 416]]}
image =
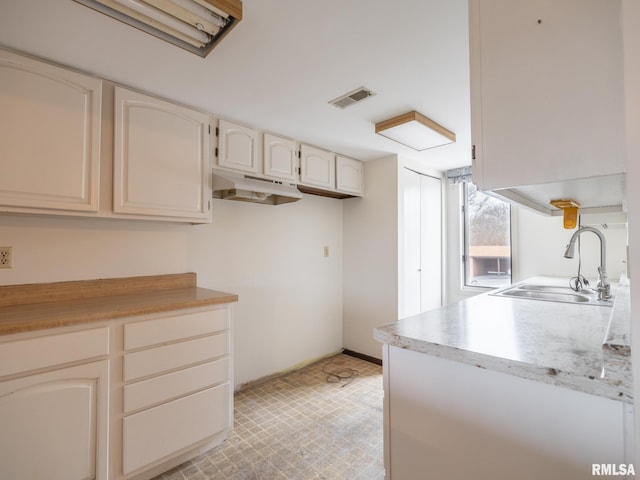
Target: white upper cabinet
{"points": [[317, 168], [238, 147], [547, 91], [49, 137], [161, 159], [349, 176], [280, 158]]}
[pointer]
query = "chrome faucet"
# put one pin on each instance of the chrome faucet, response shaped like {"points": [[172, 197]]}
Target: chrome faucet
{"points": [[603, 287]]}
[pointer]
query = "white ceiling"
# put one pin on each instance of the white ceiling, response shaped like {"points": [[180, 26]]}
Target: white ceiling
{"points": [[280, 66]]}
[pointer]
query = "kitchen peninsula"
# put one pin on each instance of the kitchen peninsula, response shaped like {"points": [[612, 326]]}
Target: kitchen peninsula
{"points": [[113, 378], [501, 388]]}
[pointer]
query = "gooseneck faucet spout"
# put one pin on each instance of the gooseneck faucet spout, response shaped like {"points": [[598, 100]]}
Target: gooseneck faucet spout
{"points": [[603, 287]]}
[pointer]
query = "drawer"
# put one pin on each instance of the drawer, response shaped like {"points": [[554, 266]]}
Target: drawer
{"points": [[176, 355], [175, 327], [47, 351], [172, 385], [156, 433]]}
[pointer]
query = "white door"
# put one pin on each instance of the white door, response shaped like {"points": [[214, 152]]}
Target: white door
{"points": [[317, 167], [349, 175], [280, 158], [238, 147], [421, 262], [161, 158], [49, 136], [54, 425]]}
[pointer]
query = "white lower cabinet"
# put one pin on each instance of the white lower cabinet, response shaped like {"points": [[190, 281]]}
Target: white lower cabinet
{"points": [[125, 400], [158, 432], [54, 424], [451, 420], [178, 389]]}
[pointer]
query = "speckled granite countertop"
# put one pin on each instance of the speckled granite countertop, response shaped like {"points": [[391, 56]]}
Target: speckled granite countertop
{"points": [[582, 347], [48, 305]]}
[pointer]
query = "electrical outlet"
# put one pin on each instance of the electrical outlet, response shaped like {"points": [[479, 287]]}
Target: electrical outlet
{"points": [[6, 257]]}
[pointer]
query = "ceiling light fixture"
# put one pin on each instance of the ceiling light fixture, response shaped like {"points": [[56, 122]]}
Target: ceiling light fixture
{"points": [[195, 25], [416, 131]]}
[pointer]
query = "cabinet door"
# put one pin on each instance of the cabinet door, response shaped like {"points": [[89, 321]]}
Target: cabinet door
{"points": [[349, 176], [54, 425], [547, 92], [238, 147], [49, 136], [161, 431], [161, 159], [317, 167], [280, 158]]}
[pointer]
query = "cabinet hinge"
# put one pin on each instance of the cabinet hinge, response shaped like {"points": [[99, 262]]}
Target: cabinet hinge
{"points": [[473, 152], [209, 129], [216, 152], [299, 153], [217, 132], [464, 259], [209, 205]]}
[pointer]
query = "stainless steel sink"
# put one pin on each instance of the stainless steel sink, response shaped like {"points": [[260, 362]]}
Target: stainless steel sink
{"points": [[552, 294]]}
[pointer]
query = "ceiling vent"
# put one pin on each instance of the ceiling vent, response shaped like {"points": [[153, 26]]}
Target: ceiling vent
{"points": [[352, 97]]}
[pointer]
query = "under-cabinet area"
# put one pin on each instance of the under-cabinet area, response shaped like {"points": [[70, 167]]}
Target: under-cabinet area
{"points": [[114, 386]]}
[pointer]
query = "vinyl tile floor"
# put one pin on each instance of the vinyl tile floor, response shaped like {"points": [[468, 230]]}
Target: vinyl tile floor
{"points": [[323, 421]]}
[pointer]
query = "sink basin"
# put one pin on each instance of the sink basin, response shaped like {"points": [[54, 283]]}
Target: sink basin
{"points": [[552, 294]]}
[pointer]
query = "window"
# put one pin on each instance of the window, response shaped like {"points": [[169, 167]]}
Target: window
{"points": [[487, 239]]}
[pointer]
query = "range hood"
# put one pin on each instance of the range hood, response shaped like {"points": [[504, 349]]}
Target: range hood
{"points": [[246, 188]]}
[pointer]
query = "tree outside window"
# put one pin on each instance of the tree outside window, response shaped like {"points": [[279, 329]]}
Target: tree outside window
{"points": [[487, 258]]}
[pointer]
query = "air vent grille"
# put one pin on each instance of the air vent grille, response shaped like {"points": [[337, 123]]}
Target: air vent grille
{"points": [[352, 97]]}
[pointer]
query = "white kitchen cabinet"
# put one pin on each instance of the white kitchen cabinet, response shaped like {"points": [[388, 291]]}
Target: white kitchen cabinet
{"points": [[55, 423], [178, 391], [438, 411], [546, 91], [49, 137], [317, 168], [349, 176], [238, 148], [161, 159], [280, 158]]}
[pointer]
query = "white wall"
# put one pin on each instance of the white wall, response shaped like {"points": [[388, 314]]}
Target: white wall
{"points": [[53, 248], [541, 242], [290, 307], [371, 257], [538, 242], [372, 250]]}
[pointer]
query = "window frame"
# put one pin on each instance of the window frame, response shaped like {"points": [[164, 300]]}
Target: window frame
{"points": [[464, 244]]}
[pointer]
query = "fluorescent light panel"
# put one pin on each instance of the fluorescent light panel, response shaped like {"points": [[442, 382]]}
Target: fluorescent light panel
{"points": [[416, 131], [195, 25]]}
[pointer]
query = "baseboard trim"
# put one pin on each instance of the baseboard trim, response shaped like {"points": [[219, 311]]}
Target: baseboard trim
{"points": [[362, 356]]}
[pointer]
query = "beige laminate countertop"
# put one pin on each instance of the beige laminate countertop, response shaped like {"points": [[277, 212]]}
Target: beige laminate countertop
{"points": [[49, 305]]}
